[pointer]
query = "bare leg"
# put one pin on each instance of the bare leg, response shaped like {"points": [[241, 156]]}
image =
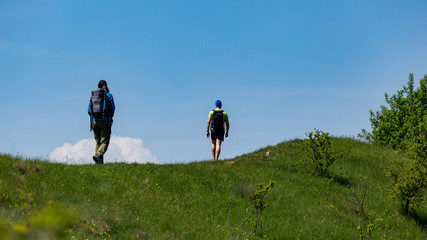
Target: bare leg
{"points": [[213, 150], [217, 149]]}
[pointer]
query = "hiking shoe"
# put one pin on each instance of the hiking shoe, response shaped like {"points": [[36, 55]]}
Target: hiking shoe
{"points": [[96, 159], [100, 159]]}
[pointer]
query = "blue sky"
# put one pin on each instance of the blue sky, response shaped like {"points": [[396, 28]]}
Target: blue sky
{"points": [[281, 69]]}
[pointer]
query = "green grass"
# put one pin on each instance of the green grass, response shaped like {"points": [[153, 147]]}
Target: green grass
{"points": [[203, 200]]}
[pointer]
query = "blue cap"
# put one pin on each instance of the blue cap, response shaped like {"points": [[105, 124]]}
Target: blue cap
{"points": [[218, 104]]}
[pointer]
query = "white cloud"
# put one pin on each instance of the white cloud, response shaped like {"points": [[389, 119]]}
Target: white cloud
{"points": [[121, 149]]}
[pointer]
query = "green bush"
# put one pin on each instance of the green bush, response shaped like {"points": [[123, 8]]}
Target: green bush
{"points": [[51, 222], [319, 147], [408, 181], [258, 199]]}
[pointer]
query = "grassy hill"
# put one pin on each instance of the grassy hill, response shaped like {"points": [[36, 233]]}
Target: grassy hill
{"points": [[204, 200]]}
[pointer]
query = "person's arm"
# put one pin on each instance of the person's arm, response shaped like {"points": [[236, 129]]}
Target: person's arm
{"points": [[112, 105], [227, 126], [207, 127], [90, 119], [88, 108]]}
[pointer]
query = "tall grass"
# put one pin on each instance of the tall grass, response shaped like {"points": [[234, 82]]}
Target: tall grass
{"points": [[203, 200]]}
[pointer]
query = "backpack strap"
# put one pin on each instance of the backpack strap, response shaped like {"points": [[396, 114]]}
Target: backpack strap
{"points": [[104, 107]]}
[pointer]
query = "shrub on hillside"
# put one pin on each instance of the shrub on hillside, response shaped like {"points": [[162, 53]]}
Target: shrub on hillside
{"points": [[52, 222], [322, 156], [408, 181], [258, 199]]}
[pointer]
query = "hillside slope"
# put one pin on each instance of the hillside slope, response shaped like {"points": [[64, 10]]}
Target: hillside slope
{"points": [[203, 200]]}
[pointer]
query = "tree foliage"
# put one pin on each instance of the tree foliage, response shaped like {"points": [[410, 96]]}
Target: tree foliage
{"points": [[404, 122], [408, 181], [403, 126]]}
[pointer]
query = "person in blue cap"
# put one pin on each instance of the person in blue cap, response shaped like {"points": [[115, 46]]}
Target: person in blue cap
{"points": [[216, 121]]}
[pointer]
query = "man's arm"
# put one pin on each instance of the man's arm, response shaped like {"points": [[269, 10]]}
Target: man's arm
{"points": [[88, 108], [227, 126], [207, 127], [112, 105]]}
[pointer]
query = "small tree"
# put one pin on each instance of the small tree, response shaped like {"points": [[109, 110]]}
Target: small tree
{"points": [[408, 181], [358, 199], [258, 199], [319, 146]]}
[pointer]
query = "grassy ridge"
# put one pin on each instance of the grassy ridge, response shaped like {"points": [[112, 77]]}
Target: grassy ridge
{"points": [[204, 200]]}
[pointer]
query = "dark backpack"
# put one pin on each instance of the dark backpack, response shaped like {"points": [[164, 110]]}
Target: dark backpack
{"points": [[217, 123], [98, 103]]}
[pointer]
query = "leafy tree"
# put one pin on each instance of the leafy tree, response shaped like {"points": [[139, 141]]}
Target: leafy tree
{"points": [[403, 126], [404, 122], [408, 181]]}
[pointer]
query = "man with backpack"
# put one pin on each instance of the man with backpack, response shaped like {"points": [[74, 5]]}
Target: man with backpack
{"points": [[101, 111], [216, 120]]}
